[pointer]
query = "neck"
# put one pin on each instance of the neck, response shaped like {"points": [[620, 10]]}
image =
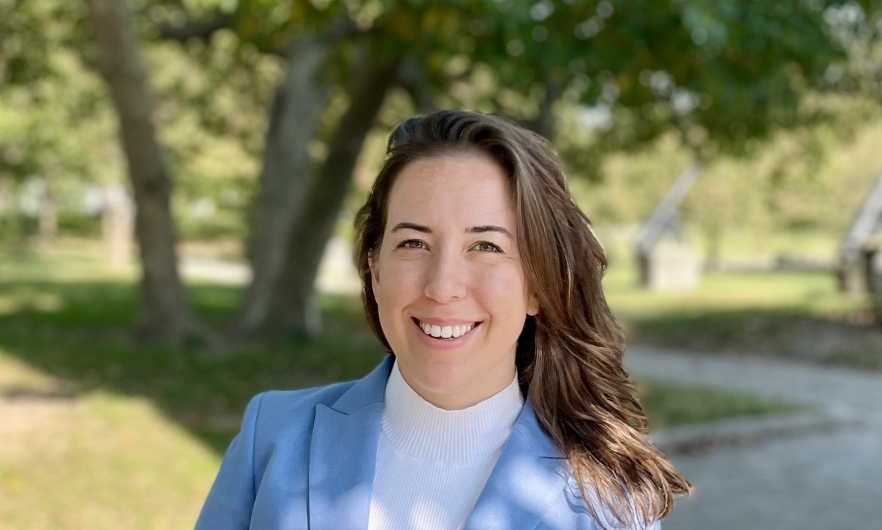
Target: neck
{"points": [[422, 430], [464, 398]]}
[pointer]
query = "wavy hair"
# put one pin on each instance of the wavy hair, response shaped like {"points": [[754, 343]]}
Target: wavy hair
{"points": [[569, 356]]}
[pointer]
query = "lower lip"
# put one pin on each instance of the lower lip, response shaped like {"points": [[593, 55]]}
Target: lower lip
{"points": [[443, 344]]}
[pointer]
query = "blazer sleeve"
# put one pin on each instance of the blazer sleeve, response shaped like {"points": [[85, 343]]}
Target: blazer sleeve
{"points": [[231, 499]]}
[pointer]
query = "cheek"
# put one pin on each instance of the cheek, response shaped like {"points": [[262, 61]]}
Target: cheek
{"points": [[502, 289], [400, 283]]}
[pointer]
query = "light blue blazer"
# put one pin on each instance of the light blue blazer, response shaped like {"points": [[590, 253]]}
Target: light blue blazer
{"points": [[305, 460]]}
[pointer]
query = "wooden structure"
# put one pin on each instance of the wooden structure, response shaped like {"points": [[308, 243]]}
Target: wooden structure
{"points": [[856, 257], [668, 265]]}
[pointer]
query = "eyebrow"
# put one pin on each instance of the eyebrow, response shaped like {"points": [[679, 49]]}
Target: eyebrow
{"points": [[412, 226], [473, 230]]}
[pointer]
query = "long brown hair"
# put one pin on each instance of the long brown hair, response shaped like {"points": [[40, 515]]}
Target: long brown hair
{"points": [[569, 356]]}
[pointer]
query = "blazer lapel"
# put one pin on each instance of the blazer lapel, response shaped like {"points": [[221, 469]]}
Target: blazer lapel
{"points": [[343, 454], [526, 480]]}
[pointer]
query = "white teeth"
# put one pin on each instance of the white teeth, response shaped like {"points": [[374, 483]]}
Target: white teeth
{"points": [[459, 331], [446, 332]]}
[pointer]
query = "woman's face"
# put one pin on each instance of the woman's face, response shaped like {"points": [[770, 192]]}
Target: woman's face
{"points": [[448, 279]]}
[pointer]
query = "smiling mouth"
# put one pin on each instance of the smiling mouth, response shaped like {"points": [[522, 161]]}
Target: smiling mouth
{"points": [[446, 332]]}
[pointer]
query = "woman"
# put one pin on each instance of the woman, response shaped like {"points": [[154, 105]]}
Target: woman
{"points": [[503, 402]]}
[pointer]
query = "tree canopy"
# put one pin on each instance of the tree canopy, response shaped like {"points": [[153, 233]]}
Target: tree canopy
{"points": [[282, 94]]}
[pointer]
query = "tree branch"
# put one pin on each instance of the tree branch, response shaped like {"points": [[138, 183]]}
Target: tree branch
{"points": [[412, 78], [196, 29]]}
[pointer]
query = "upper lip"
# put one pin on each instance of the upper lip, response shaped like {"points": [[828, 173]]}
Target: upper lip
{"points": [[446, 321]]}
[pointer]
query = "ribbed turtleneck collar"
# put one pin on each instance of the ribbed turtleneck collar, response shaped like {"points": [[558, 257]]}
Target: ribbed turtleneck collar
{"points": [[458, 437]]}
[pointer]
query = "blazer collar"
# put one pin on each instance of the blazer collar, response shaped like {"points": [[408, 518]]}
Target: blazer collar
{"points": [[366, 391], [529, 475], [343, 454]]}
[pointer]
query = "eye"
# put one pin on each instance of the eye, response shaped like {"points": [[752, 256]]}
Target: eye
{"points": [[412, 243], [486, 246]]}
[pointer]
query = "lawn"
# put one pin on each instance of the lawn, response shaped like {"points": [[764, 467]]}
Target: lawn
{"points": [[100, 431], [792, 314]]}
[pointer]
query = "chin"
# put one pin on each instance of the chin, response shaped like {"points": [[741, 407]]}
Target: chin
{"points": [[437, 378]]}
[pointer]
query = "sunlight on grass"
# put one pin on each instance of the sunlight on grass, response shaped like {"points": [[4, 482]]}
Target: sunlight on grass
{"points": [[99, 461], [813, 293], [69, 260], [15, 373], [793, 314], [29, 300]]}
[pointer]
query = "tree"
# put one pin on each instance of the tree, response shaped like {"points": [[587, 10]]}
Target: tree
{"points": [[164, 310], [719, 74], [32, 72]]}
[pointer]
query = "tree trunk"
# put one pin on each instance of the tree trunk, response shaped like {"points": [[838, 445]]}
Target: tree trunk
{"points": [[545, 122], [412, 78], [294, 115], [164, 312], [293, 308]]}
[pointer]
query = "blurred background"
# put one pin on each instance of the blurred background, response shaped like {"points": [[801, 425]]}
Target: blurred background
{"points": [[178, 183]]}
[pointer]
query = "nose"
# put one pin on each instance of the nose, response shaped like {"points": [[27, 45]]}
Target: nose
{"points": [[447, 279]]}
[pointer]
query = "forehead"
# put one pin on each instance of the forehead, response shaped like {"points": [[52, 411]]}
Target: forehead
{"points": [[465, 189]]}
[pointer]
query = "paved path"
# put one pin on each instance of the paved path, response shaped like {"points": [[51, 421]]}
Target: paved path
{"points": [[826, 478]]}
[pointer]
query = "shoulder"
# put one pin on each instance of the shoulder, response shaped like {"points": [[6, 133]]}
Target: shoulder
{"points": [[280, 422], [287, 417], [276, 422], [293, 401], [275, 409]]}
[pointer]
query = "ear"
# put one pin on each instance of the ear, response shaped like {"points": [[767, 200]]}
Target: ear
{"points": [[375, 272], [533, 305]]}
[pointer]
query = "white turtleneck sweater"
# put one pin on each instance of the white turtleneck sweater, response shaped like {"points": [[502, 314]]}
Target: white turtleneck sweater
{"points": [[433, 463]]}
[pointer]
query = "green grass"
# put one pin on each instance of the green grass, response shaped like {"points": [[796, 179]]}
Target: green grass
{"points": [[102, 461], [106, 432], [671, 405], [791, 314]]}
